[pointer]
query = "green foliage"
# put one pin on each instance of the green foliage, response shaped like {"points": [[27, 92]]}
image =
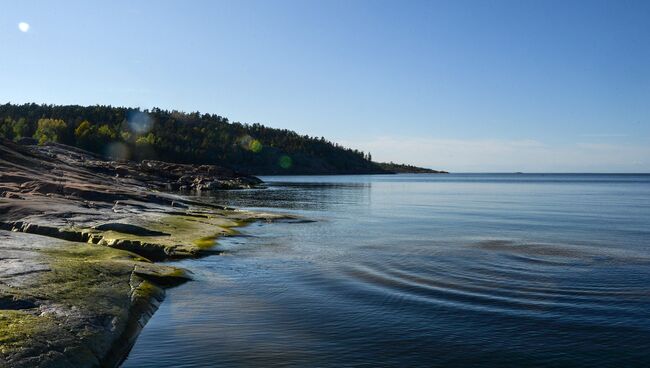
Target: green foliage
{"points": [[7, 128], [401, 168], [84, 135], [146, 140], [50, 130], [106, 133], [83, 130], [12, 129], [21, 129], [183, 137]]}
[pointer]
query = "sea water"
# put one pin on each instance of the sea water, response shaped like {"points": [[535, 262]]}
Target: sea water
{"points": [[485, 270]]}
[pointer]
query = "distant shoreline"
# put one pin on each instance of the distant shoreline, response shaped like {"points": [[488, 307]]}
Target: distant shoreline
{"points": [[122, 133]]}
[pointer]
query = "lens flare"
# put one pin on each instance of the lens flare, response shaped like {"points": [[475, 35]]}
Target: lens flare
{"points": [[255, 146], [250, 144], [285, 162], [245, 141], [139, 122]]}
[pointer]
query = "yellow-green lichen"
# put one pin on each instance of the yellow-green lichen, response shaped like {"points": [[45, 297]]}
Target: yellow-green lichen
{"points": [[18, 327], [146, 290], [92, 277], [174, 235], [184, 235]]}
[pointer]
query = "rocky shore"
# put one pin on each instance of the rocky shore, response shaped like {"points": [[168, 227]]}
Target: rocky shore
{"points": [[79, 236]]}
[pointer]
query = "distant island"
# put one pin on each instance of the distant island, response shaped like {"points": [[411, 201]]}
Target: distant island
{"points": [[123, 133]]}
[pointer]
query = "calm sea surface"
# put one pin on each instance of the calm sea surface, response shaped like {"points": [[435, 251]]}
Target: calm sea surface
{"points": [[420, 270]]}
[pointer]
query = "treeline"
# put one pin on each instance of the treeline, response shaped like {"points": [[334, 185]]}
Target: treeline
{"points": [[407, 169], [174, 136]]}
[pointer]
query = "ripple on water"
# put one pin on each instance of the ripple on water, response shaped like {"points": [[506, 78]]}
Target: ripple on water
{"points": [[411, 270], [507, 278]]}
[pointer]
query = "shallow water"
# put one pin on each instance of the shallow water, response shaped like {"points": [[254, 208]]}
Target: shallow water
{"points": [[420, 270]]}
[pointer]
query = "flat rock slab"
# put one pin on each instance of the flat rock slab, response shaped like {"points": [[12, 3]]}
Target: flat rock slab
{"points": [[20, 257], [73, 304], [77, 237]]}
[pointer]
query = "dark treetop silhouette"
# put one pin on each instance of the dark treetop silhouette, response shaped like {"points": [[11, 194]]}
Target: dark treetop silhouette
{"points": [[173, 136]]}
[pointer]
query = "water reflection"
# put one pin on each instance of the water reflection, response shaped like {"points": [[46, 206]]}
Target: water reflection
{"points": [[298, 196], [421, 271]]}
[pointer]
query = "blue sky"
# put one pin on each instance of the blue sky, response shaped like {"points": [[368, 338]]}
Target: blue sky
{"points": [[461, 85]]}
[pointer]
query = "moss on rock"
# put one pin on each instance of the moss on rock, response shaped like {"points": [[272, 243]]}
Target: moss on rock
{"points": [[17, 327], [90, 305]]}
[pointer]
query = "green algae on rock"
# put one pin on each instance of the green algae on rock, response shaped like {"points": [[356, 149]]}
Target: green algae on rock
{"points": [[85, 303], [78, 236], [89, 306], [156, 236]]}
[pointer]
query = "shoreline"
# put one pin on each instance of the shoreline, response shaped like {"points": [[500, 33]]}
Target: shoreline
{"points": [[82, 251], [71, 272]]}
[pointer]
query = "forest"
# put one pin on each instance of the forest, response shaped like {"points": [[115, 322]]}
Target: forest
{"points": [[123, 133]]}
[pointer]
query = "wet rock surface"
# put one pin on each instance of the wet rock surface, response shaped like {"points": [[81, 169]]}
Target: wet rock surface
{"points": [[78, 235]]}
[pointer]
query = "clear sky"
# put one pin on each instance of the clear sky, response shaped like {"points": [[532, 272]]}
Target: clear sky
{"points": [[460, 85]]}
